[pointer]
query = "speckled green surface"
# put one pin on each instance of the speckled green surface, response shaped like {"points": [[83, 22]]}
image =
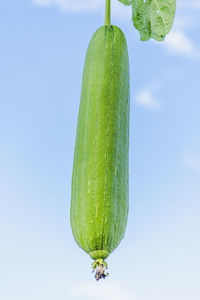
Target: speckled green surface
{"points": [[100, 181]]}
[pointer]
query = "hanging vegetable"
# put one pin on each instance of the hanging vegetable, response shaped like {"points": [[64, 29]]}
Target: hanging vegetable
{"points": [[100, 181]]}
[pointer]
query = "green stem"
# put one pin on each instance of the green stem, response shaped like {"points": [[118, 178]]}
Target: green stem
{"points": [[107, 14]]}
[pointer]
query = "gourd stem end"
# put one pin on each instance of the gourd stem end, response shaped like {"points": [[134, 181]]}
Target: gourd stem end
{"points": [[107, 13]]}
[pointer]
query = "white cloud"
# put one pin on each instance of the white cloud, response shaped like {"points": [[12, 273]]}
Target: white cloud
{"points": [[91, 5], [119, 11], [177, 43], [106, 290], [146, 97], [72, 5], [192, 162]]}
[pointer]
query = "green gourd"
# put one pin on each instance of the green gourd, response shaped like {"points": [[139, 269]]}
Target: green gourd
{"points": [[100, 180]]}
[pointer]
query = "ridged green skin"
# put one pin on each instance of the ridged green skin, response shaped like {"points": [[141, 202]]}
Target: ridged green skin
{"points": [[100, 181]]}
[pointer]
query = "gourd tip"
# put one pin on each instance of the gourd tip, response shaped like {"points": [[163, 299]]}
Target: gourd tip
{"points": [[100, 265]]}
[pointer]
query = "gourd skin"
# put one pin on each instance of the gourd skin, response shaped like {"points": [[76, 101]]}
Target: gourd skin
{"points": [[100, 180]]}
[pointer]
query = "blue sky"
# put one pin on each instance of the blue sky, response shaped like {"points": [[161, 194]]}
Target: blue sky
{"points": [[42, 46]]}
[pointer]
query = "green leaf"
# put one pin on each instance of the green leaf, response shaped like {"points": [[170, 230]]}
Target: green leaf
{"points": [[153, 18], [126, 2]]}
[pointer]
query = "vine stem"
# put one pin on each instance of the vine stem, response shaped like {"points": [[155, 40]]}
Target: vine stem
{"points": [[107, 13]]}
